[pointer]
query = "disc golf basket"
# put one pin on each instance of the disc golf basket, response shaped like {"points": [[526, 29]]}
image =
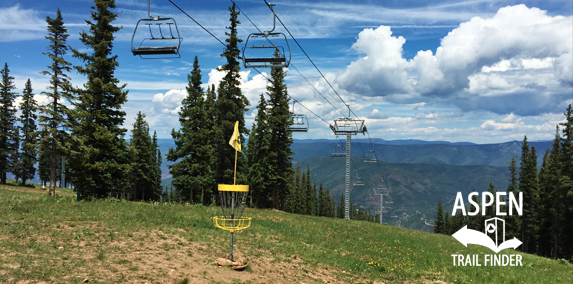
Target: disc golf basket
{"points": [[233, 201]]}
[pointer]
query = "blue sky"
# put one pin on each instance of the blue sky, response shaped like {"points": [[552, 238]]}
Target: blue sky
{"points": [[478, 71]]}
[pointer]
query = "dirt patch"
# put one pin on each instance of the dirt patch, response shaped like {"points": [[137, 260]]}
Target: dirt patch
{"points": [[29, 189], [162, 257]]}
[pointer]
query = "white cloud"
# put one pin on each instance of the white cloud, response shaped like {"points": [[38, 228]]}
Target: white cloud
{"points": [[170, 102], [20, 24], [520, 58]]}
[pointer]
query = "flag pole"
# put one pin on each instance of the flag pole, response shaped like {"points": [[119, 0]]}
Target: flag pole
{"points": [[235, 173]]}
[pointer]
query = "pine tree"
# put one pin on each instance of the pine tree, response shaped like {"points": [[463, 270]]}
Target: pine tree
{"points": [[54, 115], [545, 202], [279, 119], [490, 210], [15, 163], [28, 157], [258, 157], [439, 223], [554, 195], [323, 202], [155, 190], [44, 158], [7, 120], [513, 223], [528, 184], [340, 211], [142, 166], [230, 107], [447, 224], [157, 160], [567, 185], [100, 158], [192, 175]]}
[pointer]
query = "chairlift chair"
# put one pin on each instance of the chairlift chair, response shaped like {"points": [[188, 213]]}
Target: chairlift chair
{"points": [[157, 44], [261, 49], [358, 182], [370, 157], [299, 122], [339, 150]]}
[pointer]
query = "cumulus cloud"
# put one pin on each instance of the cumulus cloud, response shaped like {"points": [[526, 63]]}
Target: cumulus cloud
{"points": [[519, 60], [170, 103]]}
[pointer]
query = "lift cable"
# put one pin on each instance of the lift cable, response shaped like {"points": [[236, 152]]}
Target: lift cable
{"points": [[291, 64], [196, 22], [295, 100], [307, 56], [254, 68]]}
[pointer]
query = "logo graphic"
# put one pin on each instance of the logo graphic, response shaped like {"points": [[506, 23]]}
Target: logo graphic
{"points": [[468, 236]]}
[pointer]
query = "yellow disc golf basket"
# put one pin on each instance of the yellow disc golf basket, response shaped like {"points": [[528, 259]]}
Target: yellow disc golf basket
{"points": [[233, 201]]}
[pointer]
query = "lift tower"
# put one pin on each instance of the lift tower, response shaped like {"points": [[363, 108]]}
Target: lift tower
{"points": [[348, 126]]}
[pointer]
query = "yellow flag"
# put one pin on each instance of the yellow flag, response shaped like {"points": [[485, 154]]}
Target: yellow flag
{"points": [[235, 141]]}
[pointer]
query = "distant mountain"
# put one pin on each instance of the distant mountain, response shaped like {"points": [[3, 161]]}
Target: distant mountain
{"points": [[414, 187], [427, 153]]}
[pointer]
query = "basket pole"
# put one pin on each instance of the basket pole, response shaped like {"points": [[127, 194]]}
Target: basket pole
{"points": [[231, 249]]}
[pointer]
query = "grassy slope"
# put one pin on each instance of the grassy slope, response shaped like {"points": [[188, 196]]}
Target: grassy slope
{"points": [[51, 239]]}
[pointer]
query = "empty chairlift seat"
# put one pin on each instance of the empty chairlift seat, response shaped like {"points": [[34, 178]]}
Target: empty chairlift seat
{"points": [[370, 157], [158, 39], [267, 49], [299, 122]]}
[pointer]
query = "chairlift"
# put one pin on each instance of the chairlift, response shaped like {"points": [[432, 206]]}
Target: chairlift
{"points": [[339, 150], [266, 49], [299, 122], [370, 157], [157, 44], [358, 182]]}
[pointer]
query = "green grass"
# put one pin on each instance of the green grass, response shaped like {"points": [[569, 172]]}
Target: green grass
{"points": [[38, 234]]}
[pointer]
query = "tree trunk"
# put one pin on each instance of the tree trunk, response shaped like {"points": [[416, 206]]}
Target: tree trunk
{"points": [[23, 181], [53, 164]]}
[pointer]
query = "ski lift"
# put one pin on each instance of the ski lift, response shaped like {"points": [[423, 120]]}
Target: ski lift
{"points": [[370, 157], [299, 122], [339, 150], [157, 44], [258, 54], [358, 181]]}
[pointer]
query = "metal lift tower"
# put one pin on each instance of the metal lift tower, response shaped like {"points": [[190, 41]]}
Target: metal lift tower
{"points": [[348, 126]]}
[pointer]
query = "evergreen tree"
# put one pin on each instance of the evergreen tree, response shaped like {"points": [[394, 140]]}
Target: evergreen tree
{"points": [[323, 202], [447, 224], [567, 185], [340, 211], [545, 200], [490, 210], [15, 163], [8, 145], [258, 157], [439, 223], [142, 163], [279, 119], [28, 157], [230, 107], [99, 159], [54, 115], [44, 158], [513, 222], [528, 184], [157, 160], [554, 196], [192, 175]]}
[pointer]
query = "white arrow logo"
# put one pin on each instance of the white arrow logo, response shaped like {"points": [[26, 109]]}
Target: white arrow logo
{"points": [[468, 236]]}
